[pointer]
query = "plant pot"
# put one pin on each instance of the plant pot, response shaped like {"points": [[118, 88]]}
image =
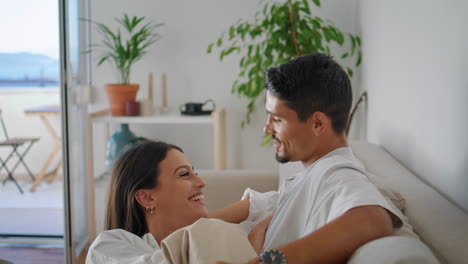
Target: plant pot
{"points": [[118, 94]]}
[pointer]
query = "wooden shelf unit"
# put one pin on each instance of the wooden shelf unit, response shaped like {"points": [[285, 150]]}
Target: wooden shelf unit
{"points": [[217, 119]]}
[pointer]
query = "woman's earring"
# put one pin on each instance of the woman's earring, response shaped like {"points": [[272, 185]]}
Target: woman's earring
{"points": [[150, 210]]}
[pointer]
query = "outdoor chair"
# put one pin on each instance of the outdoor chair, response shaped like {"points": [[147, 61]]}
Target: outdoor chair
{"points": [[15, 145]]}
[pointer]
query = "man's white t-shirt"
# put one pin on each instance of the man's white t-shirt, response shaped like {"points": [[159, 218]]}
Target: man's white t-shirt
{"points": [[325, 190]]}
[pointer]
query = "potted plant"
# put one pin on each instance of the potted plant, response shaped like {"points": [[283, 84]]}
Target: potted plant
{"points": [[123, 49], [281, 31]]}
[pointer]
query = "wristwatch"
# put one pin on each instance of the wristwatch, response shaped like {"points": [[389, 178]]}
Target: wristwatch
{"points": [[273, 256]]}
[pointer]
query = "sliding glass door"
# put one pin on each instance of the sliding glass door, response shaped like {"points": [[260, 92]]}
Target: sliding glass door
{"points": [[79, 201]]}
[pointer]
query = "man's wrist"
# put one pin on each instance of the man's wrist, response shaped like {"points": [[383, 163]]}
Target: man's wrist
{"points": [[273, 256]]}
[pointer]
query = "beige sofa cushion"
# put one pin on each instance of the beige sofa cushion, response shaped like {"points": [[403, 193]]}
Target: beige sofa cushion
{"points": [[224, 187]]}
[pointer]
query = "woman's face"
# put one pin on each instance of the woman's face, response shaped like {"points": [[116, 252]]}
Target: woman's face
{"points": [[179, 196]]}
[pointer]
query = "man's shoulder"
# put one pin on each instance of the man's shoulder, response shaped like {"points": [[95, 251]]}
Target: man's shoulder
{"points": [[341, 159], [342, 165]]}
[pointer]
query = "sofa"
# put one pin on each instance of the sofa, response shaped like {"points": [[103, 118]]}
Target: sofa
{"points": [[441, 226]]}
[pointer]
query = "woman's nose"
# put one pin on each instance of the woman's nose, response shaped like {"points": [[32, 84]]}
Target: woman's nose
{"points": [[199, 182]]}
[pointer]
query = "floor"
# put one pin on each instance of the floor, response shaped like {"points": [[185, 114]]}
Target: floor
{"points": [[28, 255], [41, 214], [37, 213]]}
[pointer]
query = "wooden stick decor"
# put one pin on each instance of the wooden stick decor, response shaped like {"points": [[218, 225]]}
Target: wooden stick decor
{"points": [[164, 90], [150, 87]]}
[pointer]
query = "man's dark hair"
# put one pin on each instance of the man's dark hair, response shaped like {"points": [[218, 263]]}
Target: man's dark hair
{"points": [[313, 83]]}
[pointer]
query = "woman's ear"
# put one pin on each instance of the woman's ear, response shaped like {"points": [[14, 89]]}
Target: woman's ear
{"points": [[146, 198]]}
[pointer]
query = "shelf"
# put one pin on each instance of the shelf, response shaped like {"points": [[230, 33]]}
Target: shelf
{"points": [[217, 119], [156, 119]]}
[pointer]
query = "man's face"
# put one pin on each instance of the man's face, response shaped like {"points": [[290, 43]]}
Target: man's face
{"points": [[292, 138]]}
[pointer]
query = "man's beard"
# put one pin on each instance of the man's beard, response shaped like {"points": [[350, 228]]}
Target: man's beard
{"points": [[277, 156], [281, 159]]}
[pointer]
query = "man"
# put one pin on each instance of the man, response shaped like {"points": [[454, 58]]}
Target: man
{"points": [[326, 212]]}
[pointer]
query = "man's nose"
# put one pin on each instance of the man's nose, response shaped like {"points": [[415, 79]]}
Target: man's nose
{"points": [[267, 128]]}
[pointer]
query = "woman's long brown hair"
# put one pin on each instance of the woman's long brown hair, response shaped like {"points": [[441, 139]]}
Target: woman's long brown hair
{"points": [[137, 168]]}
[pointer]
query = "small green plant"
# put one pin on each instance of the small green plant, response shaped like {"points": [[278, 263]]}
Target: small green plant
{"points": [[124, 49], [280, 32], [136, 140]]}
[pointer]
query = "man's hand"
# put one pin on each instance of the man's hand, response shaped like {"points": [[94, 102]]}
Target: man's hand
{"points": [[257, 235]]}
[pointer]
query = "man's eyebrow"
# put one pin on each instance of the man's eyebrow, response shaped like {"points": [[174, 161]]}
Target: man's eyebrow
{"points": [[271, 113], [183, 166]]}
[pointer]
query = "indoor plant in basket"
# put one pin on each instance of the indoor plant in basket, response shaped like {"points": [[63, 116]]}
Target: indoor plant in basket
{"points": [[123, 49]]}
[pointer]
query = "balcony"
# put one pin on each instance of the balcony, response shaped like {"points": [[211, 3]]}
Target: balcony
{"points": [[38, 213]]}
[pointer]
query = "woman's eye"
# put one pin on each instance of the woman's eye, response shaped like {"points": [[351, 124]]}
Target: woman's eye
{"points": [[276, 120], [183, 174]]}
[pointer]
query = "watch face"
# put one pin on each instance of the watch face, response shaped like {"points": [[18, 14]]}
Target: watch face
{"points": [[273, 257]]}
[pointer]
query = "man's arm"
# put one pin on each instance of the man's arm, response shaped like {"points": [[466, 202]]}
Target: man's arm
{"points": [[337, 241], [234, 213]]}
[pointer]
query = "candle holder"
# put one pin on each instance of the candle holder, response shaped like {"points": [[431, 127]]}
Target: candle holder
{"points": [[132, 108]]}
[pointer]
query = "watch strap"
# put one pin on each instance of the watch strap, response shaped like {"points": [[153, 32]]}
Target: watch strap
{"points": [[273, 256]]}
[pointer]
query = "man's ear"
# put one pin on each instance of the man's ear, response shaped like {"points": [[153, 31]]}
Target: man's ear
{"points": [[146, 198], [318, 122]]}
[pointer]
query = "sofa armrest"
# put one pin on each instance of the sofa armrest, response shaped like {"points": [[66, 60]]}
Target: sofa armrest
{"points": [[440, 224], [224, 187], [394, 250]]}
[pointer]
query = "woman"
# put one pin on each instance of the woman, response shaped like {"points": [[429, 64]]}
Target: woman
{"points": [[153, 192]]}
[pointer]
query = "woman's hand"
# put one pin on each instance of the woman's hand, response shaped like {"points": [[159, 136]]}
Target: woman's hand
{"points": [[257, 235]]}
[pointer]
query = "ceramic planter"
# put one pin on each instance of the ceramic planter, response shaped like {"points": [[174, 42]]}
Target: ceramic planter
{"points": [[117, 143], [118, 94]]}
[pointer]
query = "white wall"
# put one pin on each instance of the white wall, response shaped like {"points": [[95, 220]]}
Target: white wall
{"points": [[416, 71], [194, 75]]}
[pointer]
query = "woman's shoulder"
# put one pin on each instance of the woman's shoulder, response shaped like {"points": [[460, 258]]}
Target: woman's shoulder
{"points": [[115, 233], [121, 246], [121, 236]]}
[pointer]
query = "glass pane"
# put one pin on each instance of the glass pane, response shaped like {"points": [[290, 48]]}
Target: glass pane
{"points": [[31, 189], [76, 183]]}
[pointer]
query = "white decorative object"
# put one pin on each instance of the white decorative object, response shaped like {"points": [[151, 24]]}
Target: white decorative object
{"points": [[146, 105], [164, 106]]}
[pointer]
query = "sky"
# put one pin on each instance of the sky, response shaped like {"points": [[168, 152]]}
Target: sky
{"points": [[29, 26]]}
